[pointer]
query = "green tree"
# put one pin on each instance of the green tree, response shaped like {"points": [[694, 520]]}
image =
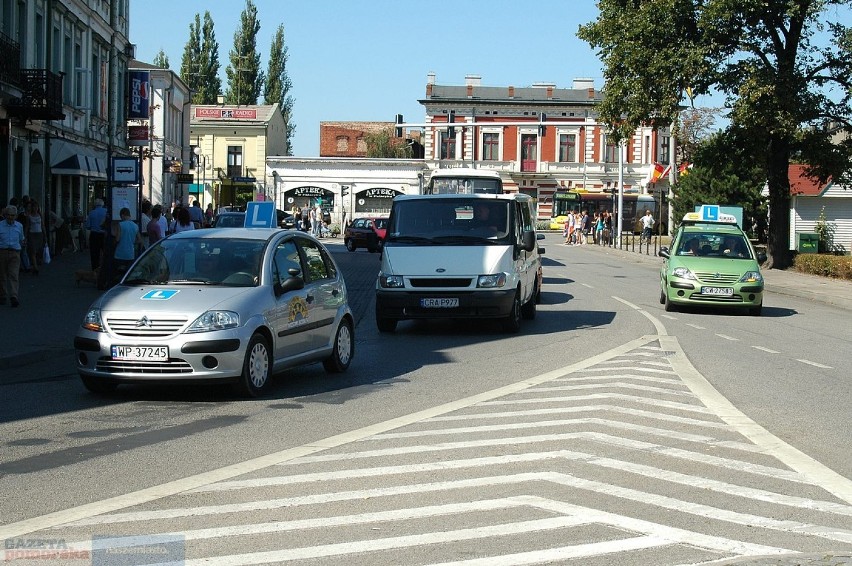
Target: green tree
{"points": [[762, 55], [383, 143], [278, 84], [245, 79], [210, 86], [199, 68], [161, 60], [724, 176], [189, 72]]}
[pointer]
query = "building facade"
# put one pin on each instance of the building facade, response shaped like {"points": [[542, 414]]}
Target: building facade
{"points": [[63, 70], [161, 139], [231, 146], [540, 139]]}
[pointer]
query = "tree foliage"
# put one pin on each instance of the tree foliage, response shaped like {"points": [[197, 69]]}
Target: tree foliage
{"points": [[245, 79], [781, 85], [161, 60], [199, 67], [278, 84], [383, 143]]}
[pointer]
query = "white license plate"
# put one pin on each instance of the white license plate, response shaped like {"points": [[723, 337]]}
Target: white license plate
{"points": [[439, 303], [152, 353], [724, 291]]}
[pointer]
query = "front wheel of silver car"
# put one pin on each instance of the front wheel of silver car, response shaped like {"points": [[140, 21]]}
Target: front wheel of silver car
{"points": [[343, 350], [256, 367]]}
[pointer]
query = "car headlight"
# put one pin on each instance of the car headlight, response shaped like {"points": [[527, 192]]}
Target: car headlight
{"points": [[391, 281], [683, 273], [492, 281], [751, 277], [215, 320], [92, 321]]}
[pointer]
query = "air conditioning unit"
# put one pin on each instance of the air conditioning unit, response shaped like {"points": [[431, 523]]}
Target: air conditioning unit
{"points": [[130, 50]]}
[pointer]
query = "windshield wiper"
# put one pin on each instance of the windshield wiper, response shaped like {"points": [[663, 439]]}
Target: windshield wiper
{"points": [[137, 281], [412, 239], [465, 239], [191, 280]]}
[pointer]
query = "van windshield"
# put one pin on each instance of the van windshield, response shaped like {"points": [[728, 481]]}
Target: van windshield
{"points": [[451, 221]]}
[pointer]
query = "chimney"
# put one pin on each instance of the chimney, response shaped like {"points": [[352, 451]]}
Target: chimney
{"points": [[473, 80], [428, 90], [511, 92], [430, 78], [470, 91], [580, 83], [591, 92], [549, 92]]}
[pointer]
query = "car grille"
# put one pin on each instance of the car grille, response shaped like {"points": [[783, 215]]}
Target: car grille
{"points": [[174, 365], [720, 278], [133, 327], [440, 282], [716, 298]]}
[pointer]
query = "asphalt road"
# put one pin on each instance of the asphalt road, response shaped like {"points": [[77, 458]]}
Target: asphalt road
{"points": [[607, 430]]}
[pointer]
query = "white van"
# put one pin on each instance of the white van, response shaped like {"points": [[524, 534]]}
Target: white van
{"points": [[459, 256]]}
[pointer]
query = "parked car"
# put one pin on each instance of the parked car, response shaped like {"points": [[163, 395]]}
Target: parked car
{"points": [[711, 263], [229, 220], [285, 220], [232, 305], [365, 233]]}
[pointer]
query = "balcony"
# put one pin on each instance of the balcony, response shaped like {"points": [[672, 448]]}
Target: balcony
{"points": [[41, 96], [10, 61]]}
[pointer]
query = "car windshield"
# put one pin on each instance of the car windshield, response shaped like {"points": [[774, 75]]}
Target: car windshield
{"points": [[207, 261], [710, 244], [463, 221]]}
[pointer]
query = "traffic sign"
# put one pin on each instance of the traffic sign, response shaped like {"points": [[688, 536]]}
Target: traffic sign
{"points": [[260, 215], [710, 212]]}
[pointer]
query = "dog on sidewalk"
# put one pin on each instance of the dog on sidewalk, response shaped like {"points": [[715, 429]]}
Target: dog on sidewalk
{"points": [[86, 275]]}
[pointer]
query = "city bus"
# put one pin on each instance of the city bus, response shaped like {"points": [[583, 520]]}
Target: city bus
{"points": [[464, 181], [634, 207]]}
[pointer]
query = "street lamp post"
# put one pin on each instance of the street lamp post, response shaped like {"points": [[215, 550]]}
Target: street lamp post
{"points": [[203, 161]]}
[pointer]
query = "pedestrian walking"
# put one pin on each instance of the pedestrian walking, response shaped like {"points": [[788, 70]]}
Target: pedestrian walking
{"points": [[12, 241], [647, 226], [127, 237], [35, 235], [155, 229], [95, 225]]}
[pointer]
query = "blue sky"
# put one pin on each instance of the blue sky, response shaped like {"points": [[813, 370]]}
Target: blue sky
{"points": [[353, 60]]}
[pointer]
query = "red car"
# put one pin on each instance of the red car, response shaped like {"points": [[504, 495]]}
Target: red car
{"points": [[365, 233]]}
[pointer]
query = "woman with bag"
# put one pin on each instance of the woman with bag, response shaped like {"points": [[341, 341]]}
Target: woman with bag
{"points": [[35, 236]]}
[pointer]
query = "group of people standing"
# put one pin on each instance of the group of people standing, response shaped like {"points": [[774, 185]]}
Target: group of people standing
{"points": [[581, 227], [24, 244], [311, 219]]}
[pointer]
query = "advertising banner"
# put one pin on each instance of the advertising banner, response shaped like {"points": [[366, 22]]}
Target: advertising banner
{"points": [[140, 94], [137, 135], [227, 113], [124, 197]]}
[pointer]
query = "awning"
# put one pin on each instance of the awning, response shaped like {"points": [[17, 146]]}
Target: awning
{"points": [[68, 158], [82, 165]]}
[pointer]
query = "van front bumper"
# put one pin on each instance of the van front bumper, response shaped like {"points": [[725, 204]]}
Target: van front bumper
{"points": [[488, 303]]}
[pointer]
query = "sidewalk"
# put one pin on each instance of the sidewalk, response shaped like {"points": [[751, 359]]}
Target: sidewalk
{"points": [[52, 307], [53, 304]]}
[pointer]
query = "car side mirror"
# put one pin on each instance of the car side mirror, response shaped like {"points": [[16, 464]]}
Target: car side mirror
{"points": [[664, 252], [293, 283], [528, 241]]}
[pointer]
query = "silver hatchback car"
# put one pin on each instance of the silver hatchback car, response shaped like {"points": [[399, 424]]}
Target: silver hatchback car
{"points": [[229, 304]]}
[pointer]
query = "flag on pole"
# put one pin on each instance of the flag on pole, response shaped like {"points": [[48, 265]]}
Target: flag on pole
{"points": [[666, 171], [656, 172], [684, 168]]}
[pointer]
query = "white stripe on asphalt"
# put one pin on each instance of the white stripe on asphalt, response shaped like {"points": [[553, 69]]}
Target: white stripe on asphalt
{"points": [[594, 396], [815, 364], [160, 491], [726, 337], [767, 350]]}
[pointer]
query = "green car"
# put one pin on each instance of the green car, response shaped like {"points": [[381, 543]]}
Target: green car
{"points": [[713, 264]]}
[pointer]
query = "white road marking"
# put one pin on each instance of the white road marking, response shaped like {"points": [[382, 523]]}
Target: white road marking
{"points": [[594, 396], [815, 364], [668, 316], [658, 326], [695, 326], [617, 385], [767, 350], [586, 285], [726, 337]]}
